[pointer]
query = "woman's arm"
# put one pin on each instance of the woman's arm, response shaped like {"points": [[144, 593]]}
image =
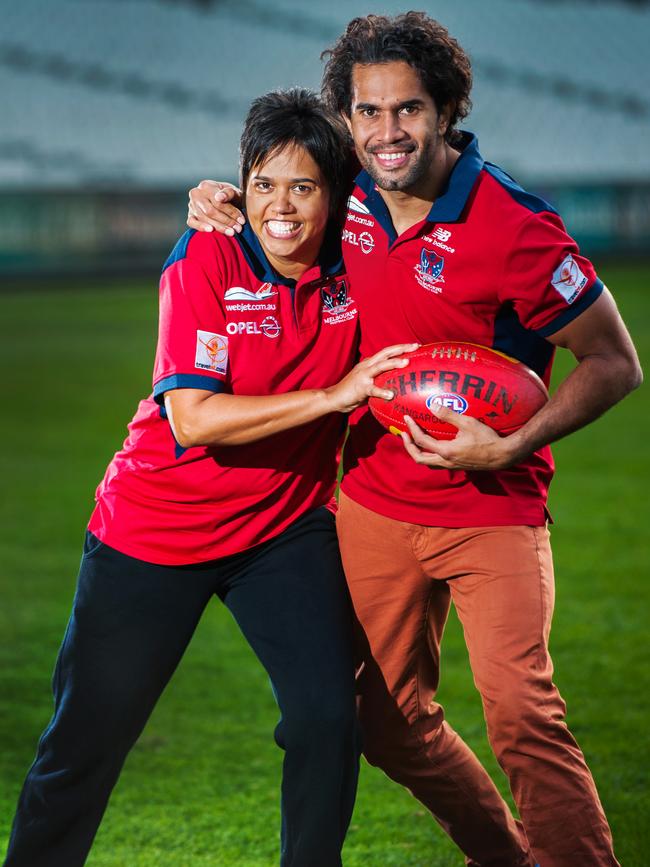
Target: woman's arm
{"points": [[201, 418]]}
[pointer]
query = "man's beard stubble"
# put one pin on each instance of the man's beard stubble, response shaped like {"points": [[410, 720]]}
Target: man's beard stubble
{"points": [[417, 172]]}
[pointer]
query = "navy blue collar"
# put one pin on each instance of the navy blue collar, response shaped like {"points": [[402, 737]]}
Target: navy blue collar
{"points": [[255, 255], [330, 257], [449, 205]]}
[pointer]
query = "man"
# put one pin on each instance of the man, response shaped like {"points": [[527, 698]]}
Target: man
{"points": [[424, 522]]}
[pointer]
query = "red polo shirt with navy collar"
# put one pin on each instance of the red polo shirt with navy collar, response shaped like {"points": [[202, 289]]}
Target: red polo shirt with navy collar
{"points": [[229, 323], [491, 264]]}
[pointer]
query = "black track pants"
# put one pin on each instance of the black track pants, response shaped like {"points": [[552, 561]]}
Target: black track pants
{"points": [[130, 624]]}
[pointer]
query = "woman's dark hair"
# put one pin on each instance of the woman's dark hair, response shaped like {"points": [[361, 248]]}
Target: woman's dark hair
{"points": [[443, 67], [297, 117]]}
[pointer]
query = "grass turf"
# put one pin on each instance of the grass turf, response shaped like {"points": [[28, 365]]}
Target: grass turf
{"points": [[201, 786]]}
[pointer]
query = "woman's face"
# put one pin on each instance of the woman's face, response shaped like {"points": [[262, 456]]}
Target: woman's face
{"points": [[287, 205]]}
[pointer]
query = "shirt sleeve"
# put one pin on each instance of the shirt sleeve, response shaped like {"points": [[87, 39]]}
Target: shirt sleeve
{"points": [[546, 279], [192, 349]]}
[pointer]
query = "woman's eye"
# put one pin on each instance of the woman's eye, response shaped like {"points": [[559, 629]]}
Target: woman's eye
{"points": [[302, 188], [262, 186]]}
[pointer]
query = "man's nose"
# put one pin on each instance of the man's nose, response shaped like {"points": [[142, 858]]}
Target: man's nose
{"points": [[391, 127]]}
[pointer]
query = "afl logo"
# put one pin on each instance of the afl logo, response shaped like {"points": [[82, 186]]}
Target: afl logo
{"points": [[270, 326], [449, 400]]}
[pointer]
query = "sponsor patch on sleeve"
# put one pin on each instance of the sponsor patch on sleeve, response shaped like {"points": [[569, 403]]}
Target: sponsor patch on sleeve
{"points": [[211, 352], [568, 279]]}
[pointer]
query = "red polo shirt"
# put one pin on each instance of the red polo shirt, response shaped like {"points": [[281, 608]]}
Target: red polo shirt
{"points": [[228, 323], [491, 264]]}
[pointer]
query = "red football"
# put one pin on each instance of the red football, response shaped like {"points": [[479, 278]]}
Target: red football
{"points": [[469, 379]]}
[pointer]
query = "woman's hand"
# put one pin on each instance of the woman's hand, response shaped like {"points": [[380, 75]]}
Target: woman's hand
{"points": [[355, 388], [202, 418], [210, 208]]}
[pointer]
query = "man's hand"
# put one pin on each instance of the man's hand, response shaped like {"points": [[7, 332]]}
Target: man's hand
{"points": [[608, 368], [213, 205], [476, 446]]}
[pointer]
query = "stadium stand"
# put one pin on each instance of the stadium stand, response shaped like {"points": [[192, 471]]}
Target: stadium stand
{"points": [[149, 94]]}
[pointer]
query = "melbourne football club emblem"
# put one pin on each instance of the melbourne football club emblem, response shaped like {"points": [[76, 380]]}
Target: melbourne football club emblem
{"points": [[428, 271], [335, 296], [337, 303]]}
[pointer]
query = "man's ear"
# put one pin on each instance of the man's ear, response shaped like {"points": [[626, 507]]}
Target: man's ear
{"points": [[443, 119]]}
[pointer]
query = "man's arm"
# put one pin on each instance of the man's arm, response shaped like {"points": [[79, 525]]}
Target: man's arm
{"points": [[608, 368], [215, 205]]}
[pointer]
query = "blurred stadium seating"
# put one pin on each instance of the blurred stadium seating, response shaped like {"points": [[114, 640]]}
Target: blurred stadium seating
{"points": [[111, 108]]}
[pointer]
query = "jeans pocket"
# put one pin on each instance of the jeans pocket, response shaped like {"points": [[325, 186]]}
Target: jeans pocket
{"points": [[91, 545]]}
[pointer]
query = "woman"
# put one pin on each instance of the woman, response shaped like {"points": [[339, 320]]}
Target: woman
{"points": [[223, 487]]}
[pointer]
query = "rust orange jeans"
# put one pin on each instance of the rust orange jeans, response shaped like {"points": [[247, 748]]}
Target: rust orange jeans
{"points": [[402, 578]]}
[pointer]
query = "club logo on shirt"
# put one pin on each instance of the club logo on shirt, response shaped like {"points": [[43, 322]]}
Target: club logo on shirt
{"points": [[211, 351], [335, 296], [568, 279], [336, 302], [428, 271]]}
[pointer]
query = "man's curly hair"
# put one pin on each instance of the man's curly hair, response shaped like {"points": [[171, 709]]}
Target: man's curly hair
{"points": [[415, 38]]}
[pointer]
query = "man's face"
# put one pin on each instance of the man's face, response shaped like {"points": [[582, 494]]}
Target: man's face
{"points": [[395, 124]]}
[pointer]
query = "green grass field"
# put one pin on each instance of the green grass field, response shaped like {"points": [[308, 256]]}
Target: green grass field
{"points": [[201, 786]]}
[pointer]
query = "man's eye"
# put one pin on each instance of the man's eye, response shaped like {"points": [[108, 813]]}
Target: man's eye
{"points": [[408, 109], [369, 112]]}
